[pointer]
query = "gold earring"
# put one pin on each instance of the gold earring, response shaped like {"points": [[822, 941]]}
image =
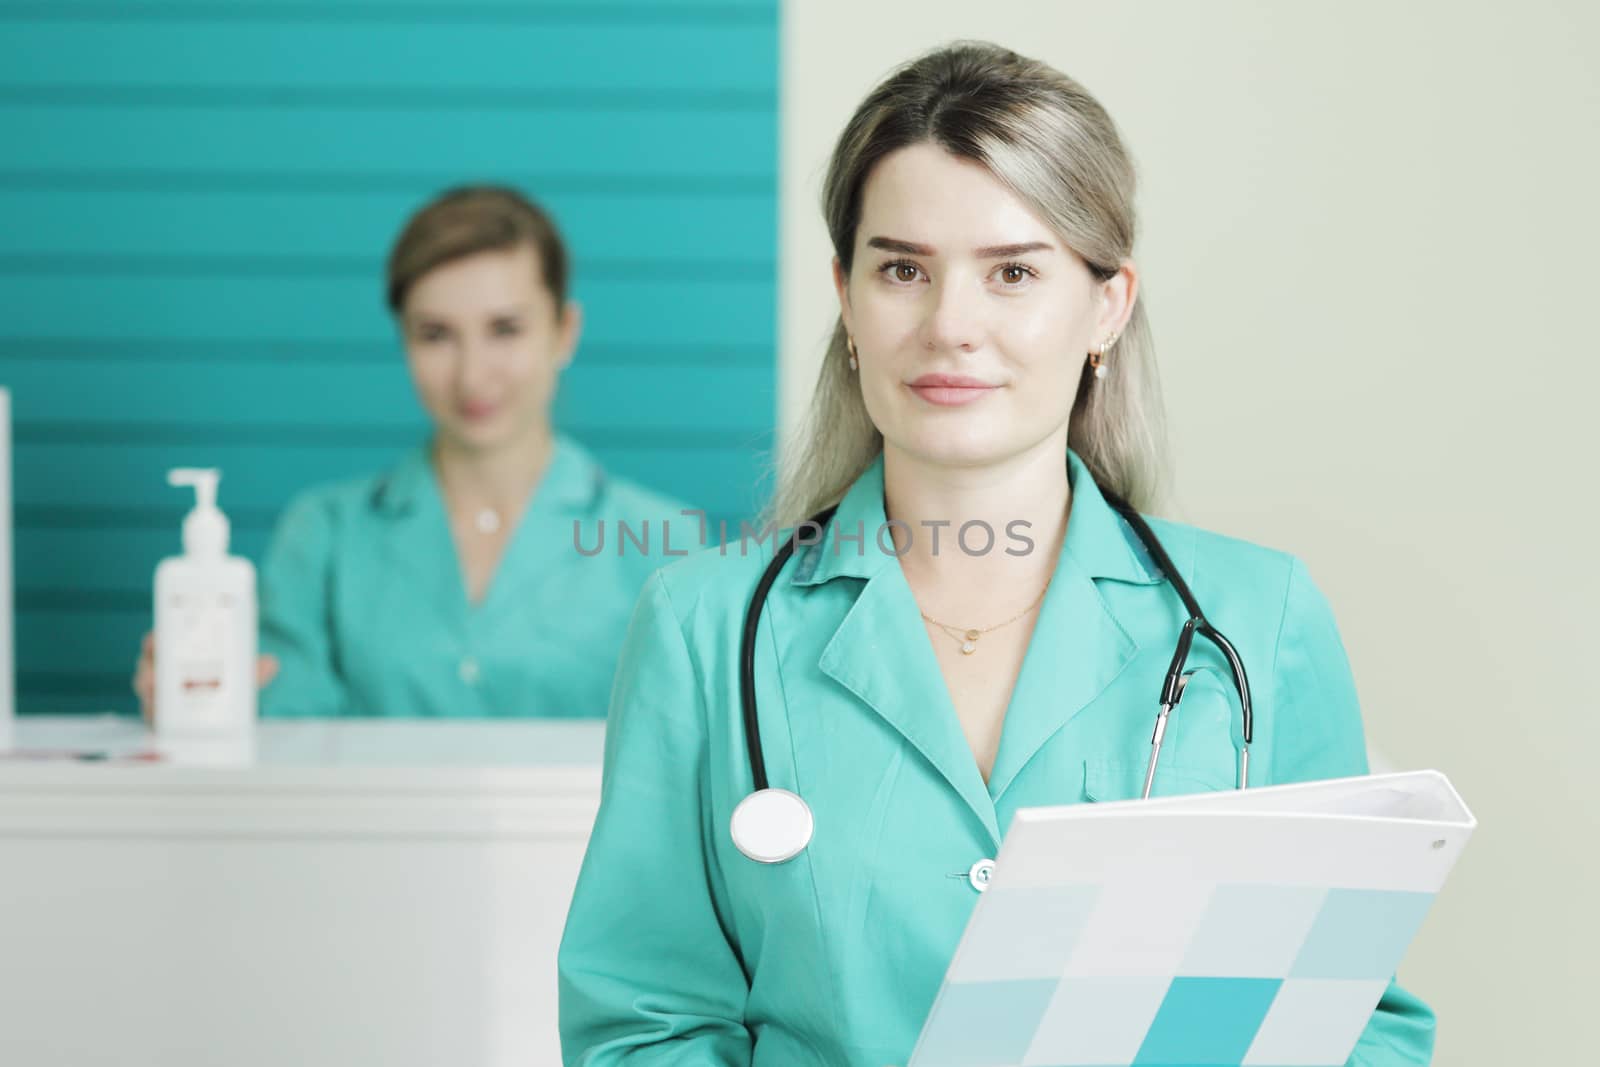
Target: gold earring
{"points": [[1097, 360], [850, 346]]}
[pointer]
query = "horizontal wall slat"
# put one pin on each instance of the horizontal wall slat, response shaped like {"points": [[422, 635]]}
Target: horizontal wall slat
{"points": [[676, 227], [265, 350], [358, 396], [201, 55], [133, 475], [74, 693], [103, 643], [724, 312], [252, 265], [96, 519], [88, 641], [326, 435], [306, 98], [94, 563], [475, 141], [416, 181], [366, 12]]}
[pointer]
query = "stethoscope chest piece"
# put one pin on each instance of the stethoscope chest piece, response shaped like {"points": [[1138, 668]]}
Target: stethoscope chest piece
{"points": [[772, 825]]}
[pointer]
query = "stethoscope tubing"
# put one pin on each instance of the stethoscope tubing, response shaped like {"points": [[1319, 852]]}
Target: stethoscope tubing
{"points": [[747, 649], [1172, 687], [1171, 690]]}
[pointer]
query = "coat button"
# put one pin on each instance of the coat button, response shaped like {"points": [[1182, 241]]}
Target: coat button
{"points": [[980, 874], [469, 671]]}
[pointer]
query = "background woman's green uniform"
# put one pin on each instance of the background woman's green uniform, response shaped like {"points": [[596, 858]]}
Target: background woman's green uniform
{"points": [[363, 602]]}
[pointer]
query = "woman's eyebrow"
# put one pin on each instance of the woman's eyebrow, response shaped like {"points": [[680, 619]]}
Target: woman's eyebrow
{"points": [[1007, 251], [891, 244]]}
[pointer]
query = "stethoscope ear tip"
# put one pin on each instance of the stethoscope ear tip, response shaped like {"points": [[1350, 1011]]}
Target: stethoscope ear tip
{"points": [[771, 825]]}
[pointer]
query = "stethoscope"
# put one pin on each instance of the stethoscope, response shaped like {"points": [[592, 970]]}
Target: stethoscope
{"points": [[775, 825]]}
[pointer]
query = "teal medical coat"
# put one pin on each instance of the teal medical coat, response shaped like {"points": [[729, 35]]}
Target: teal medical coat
{"points": [[678, 949], [364, 604]]}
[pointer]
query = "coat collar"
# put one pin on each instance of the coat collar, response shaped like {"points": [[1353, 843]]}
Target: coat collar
{"points": [[418, 542], [882, 655], [1098, 539], [570, 485]]}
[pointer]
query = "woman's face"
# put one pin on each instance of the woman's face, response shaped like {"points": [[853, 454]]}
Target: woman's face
{"points": [[486, 343], [972, 320]]}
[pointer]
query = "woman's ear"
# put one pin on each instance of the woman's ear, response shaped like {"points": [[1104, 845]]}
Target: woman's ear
{"points": [[841, 287], [569, 330], [1118, 294]]}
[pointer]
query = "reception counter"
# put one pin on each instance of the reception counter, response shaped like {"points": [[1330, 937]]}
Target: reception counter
{"points": [[335, 892]]}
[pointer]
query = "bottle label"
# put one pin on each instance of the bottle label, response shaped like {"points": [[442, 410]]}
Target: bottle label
{"points": [[204, 624]]}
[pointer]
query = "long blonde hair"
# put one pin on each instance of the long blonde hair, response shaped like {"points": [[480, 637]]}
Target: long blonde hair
{"points": [[1042, 135]]}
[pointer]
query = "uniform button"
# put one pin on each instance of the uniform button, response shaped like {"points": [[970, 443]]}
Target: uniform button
{"points": [[980, 874], [469, 671]]}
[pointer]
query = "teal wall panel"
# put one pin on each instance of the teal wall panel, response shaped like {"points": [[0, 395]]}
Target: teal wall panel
{"points": [[49, 299], [196, 198], [689, 60], [352, 228]]}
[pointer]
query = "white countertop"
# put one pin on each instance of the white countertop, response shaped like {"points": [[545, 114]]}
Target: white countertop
{"points": [[322, 743], [319, 776]]}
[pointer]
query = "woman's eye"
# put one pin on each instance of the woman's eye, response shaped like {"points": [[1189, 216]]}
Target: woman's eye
{"points": [[901, 270], [507, 329], [1015, 274]]}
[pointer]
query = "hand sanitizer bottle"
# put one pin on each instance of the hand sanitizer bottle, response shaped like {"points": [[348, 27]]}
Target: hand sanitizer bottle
{"points": [[205, 654]]}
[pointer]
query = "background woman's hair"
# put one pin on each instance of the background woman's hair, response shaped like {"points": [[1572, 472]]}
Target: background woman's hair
{"points": [[467, 220], [1042, 135]]}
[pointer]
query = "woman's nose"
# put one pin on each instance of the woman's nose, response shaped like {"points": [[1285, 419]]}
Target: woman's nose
{"points": [[475, 367], [954, 316]]}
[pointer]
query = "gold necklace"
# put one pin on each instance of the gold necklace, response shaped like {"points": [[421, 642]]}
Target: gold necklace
{"points": [[967, 638]]}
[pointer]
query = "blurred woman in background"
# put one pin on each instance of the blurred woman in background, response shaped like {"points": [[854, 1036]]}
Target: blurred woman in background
{"points": [[451, 584]]}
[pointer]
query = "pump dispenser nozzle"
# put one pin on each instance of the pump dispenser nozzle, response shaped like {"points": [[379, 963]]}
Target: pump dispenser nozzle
{"points": [[205, 529]]}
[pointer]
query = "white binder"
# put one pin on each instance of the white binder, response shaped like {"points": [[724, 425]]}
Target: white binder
{"points": [[1246, 927]]}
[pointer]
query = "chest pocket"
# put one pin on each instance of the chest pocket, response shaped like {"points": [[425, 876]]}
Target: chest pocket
{"points": [[1124, 779], [1197, 756]]}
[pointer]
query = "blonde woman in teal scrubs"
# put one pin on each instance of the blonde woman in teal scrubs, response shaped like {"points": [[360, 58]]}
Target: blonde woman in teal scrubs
{"points": [[991, 364], [453, 583]]}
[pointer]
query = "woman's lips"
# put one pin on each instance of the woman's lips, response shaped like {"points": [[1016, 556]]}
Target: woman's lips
{"points": [[950, 390], [476, 411]]}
